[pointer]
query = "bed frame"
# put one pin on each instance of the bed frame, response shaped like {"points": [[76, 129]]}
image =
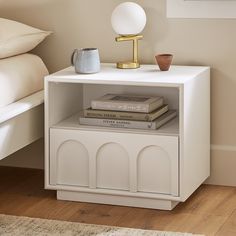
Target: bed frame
{"points": [[21, 123]]}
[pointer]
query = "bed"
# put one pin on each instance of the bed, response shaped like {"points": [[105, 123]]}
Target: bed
{"points": [[21, 102]]}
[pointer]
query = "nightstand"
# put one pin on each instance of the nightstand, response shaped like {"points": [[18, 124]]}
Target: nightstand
{"points": [[131, 167]]}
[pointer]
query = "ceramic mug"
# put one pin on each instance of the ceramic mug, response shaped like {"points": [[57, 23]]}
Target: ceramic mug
{"points": [[86, 60]]}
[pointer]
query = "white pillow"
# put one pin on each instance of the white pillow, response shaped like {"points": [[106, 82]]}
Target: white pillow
{"points": [[20, 76], [17, 38]]}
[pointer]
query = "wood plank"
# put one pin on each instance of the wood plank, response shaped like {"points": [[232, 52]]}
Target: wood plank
{"points": [[210, 200], [229, 228]]}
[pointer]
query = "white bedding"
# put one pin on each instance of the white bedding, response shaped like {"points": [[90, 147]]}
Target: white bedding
{"points": [[20, 76]]}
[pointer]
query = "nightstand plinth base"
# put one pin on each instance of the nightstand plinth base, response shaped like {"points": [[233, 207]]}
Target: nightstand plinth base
{"points": [[117, 200]]}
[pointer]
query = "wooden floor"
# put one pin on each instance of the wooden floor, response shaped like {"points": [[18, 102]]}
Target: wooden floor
{"points": [[210, 211]]}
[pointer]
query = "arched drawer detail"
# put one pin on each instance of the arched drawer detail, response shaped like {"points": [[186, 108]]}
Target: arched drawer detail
{"points": [[114, 161], [112, 167], [154, 170], [72, 164]]}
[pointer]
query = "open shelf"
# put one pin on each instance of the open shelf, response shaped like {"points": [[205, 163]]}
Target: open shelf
{"points": [[170, 128]]}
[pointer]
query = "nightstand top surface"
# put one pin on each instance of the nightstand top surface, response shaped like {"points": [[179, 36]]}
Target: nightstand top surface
{"points": [[147, 75]]}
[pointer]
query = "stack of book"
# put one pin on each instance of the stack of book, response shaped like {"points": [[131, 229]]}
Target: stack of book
{"points": [[128, 111]]}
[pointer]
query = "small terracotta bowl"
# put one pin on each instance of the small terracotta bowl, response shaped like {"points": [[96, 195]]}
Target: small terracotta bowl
{"points": [[164, 61]]}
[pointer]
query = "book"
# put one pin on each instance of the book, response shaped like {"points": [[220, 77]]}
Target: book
{"points": [[151, 125], [127, 102], [124, 115]]}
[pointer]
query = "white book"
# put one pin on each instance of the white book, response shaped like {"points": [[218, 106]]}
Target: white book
{"points": [[114, 123], [127, 102], [125, 115]]}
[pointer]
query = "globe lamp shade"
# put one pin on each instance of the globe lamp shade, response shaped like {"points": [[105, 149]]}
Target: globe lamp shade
{"points": [[128, 18]]}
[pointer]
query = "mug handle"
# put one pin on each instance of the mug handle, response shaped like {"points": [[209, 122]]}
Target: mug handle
{"points": [[72, 59]]}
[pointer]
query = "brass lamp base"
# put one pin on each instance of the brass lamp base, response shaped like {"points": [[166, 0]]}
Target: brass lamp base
{"points": [[133, 64], [127, 65]]}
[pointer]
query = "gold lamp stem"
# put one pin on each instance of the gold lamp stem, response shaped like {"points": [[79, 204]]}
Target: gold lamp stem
{"points": [[134, 64]]}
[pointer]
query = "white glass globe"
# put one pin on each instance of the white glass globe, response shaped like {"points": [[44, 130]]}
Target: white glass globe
{"points": [[128, 18]]}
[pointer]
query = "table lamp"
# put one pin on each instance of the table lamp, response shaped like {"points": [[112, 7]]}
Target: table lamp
{"points": [[128, 20]]}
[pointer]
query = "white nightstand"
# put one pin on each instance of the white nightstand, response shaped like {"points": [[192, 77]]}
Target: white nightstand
{"points": [[152, 169]]}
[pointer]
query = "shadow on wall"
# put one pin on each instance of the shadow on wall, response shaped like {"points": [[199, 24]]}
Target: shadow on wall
{"points": [[31, 156], [155, 31]]}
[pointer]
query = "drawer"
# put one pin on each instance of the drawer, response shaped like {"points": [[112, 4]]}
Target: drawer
{"points": [[114, 160]]}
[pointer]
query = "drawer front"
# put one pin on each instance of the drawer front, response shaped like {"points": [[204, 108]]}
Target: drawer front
{"points": [[113, 160]]}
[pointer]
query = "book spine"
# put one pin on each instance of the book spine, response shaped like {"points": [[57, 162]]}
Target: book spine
{"points": [[99, 105], [117, 123], [166, 119], [116, 115]]}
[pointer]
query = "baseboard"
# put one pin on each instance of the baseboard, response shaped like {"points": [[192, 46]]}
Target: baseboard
{"points": [[223, 165], [226, 148]]}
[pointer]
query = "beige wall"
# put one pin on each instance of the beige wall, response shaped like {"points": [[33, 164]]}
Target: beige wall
{"points": [[86, 23]]}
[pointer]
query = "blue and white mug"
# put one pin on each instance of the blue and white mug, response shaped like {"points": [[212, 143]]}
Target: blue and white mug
{"points": [[86, 60]]}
